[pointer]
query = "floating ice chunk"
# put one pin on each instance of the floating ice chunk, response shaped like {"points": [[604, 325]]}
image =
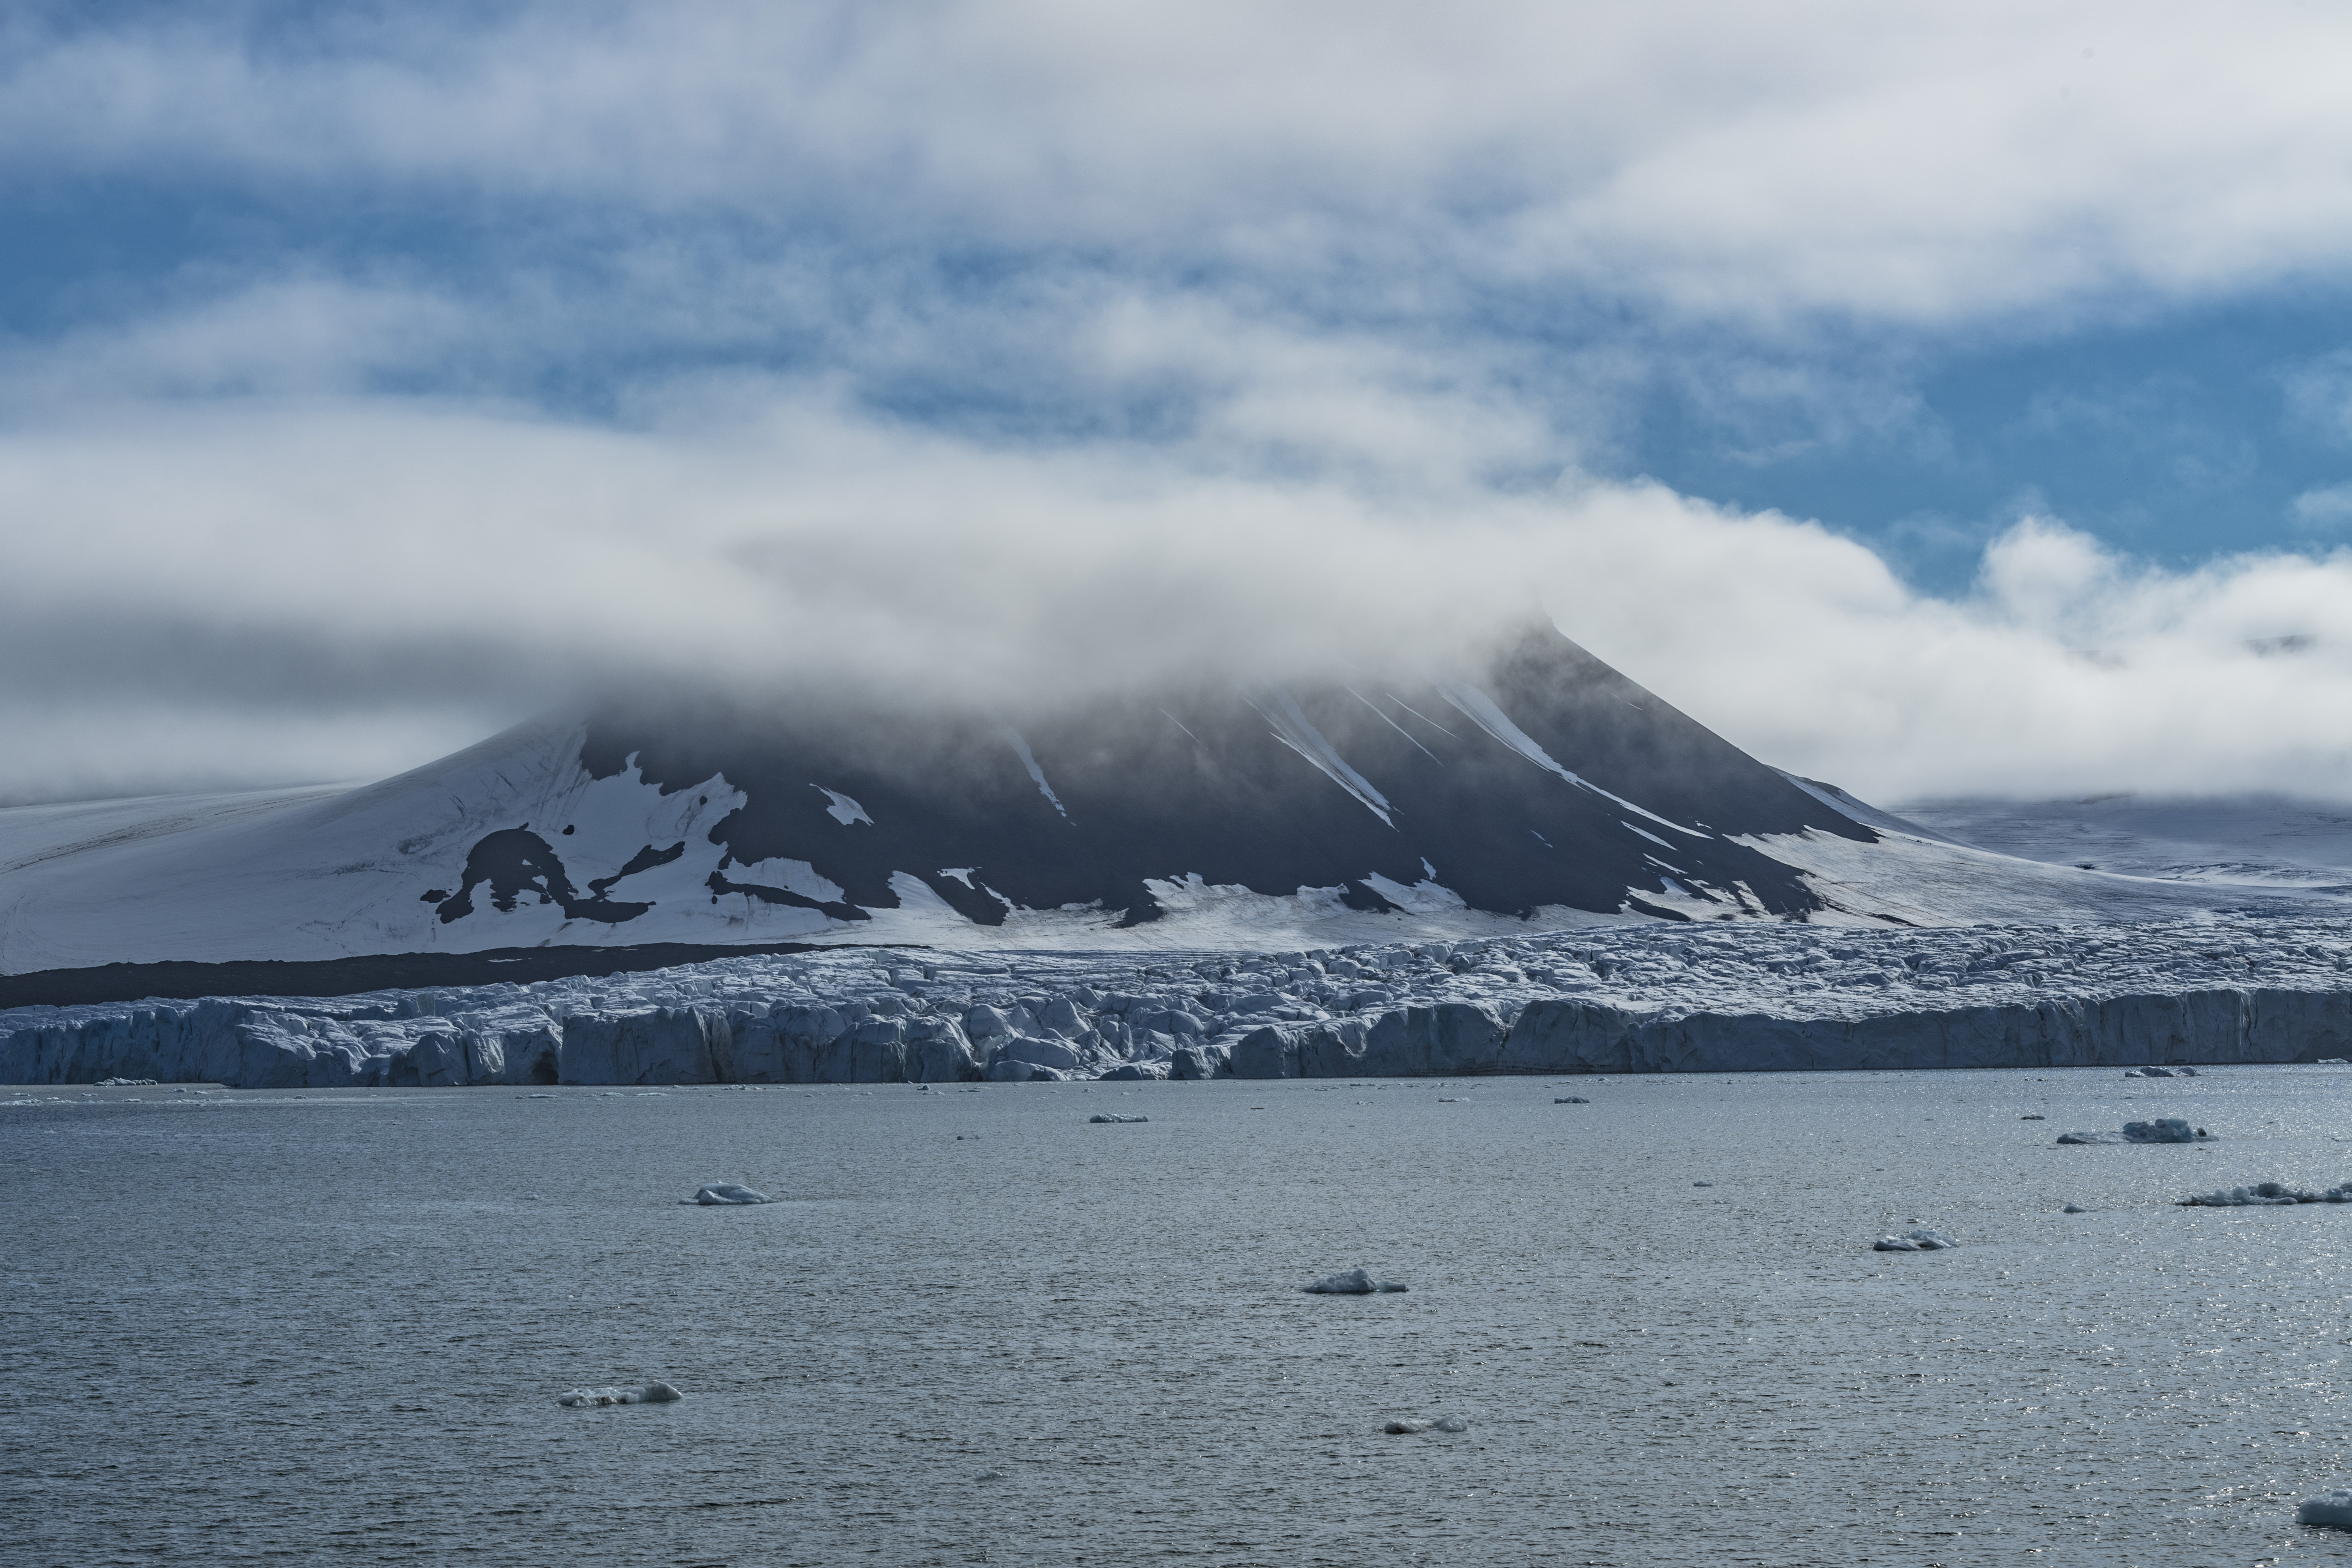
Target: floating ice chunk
{"points": [[2074, 1208], [1351, 1282], [727, 1193], [637, 1393], [2148, 1072], [2032, 1117], [1570, 1100], [1114, 1116], [1441, 1424], [2265, 1193], [2333, 1062], [2328, 1508], [1914, 1241], [126, 1083], [2163, 1130], [1702, 1183]]}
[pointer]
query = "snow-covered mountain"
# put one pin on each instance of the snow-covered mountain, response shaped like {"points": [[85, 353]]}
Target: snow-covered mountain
{"points": [[1543, 787], [2247, 841]]}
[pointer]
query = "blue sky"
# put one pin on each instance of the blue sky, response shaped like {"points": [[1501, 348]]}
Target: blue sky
{"points": [[1928, 398]]}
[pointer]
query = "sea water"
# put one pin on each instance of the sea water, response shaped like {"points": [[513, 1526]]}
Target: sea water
{"points": [[979, 1327]]}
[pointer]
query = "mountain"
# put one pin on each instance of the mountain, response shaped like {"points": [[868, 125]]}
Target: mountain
{"points": [[1544, 787]]}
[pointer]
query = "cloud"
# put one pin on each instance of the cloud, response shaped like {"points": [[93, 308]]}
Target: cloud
{"points": [[988, 352], [1914, 164], [2320, 398], [246, 583], [2322, 510]]}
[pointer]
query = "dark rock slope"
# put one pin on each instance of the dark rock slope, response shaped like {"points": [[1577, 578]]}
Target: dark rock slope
{"points": [[1551, 780]]}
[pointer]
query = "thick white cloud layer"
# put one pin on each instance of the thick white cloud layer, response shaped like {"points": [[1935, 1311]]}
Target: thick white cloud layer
{"points": [[1906, 162], [300, 566]]}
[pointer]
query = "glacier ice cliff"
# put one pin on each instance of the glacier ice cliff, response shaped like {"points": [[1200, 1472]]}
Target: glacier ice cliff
{"points": [[1759, 997]]}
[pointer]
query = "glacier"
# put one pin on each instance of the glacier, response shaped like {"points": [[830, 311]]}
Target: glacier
{"points": [[1649, 997]]}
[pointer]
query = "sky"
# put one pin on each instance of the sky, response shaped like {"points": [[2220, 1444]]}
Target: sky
{"points": [[1937, 400]]}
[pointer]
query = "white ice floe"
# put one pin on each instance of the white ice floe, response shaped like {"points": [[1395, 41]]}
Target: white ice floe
{"points": [[1351, 1282], [722, 1193], [2333, 1507], [1438, 1424], [1914, 1241], [1110, 1116], [635, 1394], [2163, 1130], [2262, 1195]]}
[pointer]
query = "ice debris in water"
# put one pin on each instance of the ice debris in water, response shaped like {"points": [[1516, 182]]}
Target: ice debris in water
{"points": [[2333, 1507], [639, 1394], [1571, 1100], [126, 1083], [2161, 1072], [2031, 1116], [727, 1193], [1441, 1423], [1109, 1116], [2262, 1193], [2074, 1208], [2163, 1130], [1351, 1282], [1914, 1241]]}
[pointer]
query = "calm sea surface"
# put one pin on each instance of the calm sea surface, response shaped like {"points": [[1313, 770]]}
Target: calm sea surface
{"points": [[288, 1327]]}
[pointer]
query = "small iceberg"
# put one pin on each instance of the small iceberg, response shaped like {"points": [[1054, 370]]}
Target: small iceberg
{"points": [[2262, 1195], [718, 1193], [2031, 1116], [2328, 1508], [1441, 1424], [2163, 1130], [2074, 1208], [126, 1083], [1914, 1241], [1351, 1282], [2148, 1072], [1570, 1100], [1112, 1116], [638, 1394]]}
